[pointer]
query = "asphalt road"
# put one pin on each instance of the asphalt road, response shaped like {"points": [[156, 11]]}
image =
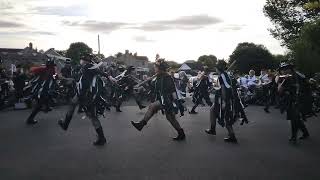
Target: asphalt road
{"points": [[46, 152]]}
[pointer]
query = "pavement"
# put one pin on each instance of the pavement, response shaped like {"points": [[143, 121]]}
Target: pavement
{"points": [[46, 152]]}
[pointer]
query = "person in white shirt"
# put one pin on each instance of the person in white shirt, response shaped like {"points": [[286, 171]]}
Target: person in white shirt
{"points": [[264, 77], [243, 81], [265, 81], [252, 79]]}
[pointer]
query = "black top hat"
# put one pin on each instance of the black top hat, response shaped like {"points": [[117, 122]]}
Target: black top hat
{"points": [[87, 57], [68, 61], [221, 65], [50, 62], [161, 64], [285, 65], [130, 68]]}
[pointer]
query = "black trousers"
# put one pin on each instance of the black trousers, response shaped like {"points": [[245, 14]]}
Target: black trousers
{"points": [[206, 97], [296, 122], [266, 93], [43, 101], [90, 112]]}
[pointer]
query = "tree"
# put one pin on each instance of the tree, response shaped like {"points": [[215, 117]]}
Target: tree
{"points": [[208, 60], [312, 5], [173, 64], [119, 54], [76, 50], [280, 58], [288, 17], [100, 56], [62, 52], [306, 50], [251, 56]]}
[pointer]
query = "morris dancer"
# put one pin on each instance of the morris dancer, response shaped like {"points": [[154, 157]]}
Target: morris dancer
{"points": [[166, 100]]}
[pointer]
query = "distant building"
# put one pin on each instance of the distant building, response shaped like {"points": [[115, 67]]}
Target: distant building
{"points": [[184, 67], [58, 58], [29, 56], [26, 56], [141, 63]]}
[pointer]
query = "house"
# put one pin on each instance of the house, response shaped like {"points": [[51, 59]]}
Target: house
{"points": [[29, 56], [191, 67], [184, 67], [58, 58], [141, 63]]}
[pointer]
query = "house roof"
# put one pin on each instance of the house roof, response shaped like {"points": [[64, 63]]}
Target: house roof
{"points": [[184, 67], [142, 58], [194, 66], [54, 54], [10, 50]]}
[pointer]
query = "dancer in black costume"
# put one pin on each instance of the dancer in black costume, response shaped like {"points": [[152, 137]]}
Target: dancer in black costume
{"points": [[224, 104], [296, 99], [42, 89], [166, 100], [201, 91], [89, 96]]}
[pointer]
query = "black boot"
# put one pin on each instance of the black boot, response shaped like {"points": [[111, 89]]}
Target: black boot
{"points": [[304, 136], [61, 124], [31, 122], [65, 124], [142, 106], [231, 139], [139, 125], [211, 131], [181, 136], [193, 112], [101, 139], [305, 131], [293, 140], [118, 109], [244, 120]]}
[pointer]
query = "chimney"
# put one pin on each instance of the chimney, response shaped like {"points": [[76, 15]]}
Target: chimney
{"points": [[30, 46]]}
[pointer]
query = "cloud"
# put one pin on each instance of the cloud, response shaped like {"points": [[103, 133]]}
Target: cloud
{"points": [[143, 39], [5, 5], [75, 10], [182, 23], [96, 26], [232, 27], [8, 24], [27, 33]]}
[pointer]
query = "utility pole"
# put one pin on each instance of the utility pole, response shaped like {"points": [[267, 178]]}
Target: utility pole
{"points": [[98, 44]]}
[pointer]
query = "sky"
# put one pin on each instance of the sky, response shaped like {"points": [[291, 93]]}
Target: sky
{"points": [[178, 30]]}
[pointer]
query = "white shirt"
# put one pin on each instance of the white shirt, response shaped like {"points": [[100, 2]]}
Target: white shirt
{"points": [[264, 79], [252, 80], [243, 81]]}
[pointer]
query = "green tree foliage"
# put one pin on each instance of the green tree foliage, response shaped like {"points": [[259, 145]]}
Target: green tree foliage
{"points": [[208, 60], [306, 50], [288, 17], [100, 56], [312, 5], [280, 58], [174, 65], [62, 52], [251, 56], [76, 50]]}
